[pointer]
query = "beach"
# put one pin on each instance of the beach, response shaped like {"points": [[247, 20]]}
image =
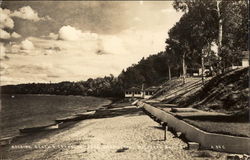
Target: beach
{"points": [[124, 133]]}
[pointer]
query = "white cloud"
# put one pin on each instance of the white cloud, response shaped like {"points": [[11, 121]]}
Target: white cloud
{"points": [[3, 68], [27, 45], [26, 12], [53, 36], [74, 54], [2, 51], [5, 19], [69, 33], [4, 34], [15, 35]]}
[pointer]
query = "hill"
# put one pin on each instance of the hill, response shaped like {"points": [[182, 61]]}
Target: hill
{"points": [[227, 92], [224, 98]]}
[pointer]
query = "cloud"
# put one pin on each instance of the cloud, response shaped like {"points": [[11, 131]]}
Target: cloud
{"points": [[27, 45], [15, 35], [69, 33], [76, 54], [53, 36], [4, 34], [26, 12], [2, 51], [5, 19]]}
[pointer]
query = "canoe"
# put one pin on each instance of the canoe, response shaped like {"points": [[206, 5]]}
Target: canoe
{"points": [[35, 129], [86, 113], [77, 117]]}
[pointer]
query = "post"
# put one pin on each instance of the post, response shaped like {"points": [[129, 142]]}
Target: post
{"points": [[219, 35], [165, 132], [169, 72], [142, 89], [202, 66], [184, 68]]}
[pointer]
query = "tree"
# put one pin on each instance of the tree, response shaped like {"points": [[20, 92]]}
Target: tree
{"points": [[235, 32], [210, 17]]}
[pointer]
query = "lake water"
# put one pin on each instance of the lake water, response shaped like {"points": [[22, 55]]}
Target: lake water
{"points": [[21, 111]]}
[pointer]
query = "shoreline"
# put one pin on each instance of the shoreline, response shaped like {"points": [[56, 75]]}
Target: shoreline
{"points": [[13, 131], [125, 132]]}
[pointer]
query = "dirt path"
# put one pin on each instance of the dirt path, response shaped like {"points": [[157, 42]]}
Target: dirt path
{"points": [[130, 136]]}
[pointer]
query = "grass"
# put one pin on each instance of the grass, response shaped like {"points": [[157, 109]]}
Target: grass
{"points": [[230, 128], [235, 124]]}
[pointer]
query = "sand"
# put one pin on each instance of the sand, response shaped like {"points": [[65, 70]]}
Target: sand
{"points": [[132, 135]]}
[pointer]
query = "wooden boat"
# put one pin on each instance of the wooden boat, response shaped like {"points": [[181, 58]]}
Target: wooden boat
{"points": [[90, 113], [67, 119], [77, 117], [35, 129]]}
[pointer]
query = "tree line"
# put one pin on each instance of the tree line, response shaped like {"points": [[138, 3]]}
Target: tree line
{"points": [[204, 24]]}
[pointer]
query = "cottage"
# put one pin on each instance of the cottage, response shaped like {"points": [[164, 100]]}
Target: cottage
{"points": [[150, 91], [134, 92]]}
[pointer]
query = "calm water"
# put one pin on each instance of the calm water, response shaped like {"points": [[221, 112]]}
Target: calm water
{"points": [[31, 110]]}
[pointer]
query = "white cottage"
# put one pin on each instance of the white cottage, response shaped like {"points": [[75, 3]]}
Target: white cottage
{"points": [[136, 92], [150, 91], [133, 92]]}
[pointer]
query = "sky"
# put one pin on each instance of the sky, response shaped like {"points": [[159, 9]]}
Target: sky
{"points": [[46, 41]]}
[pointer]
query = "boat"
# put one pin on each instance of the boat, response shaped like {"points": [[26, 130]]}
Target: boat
{"points": [[67, 119], [86, 113], [77, 117], [35, 129]]}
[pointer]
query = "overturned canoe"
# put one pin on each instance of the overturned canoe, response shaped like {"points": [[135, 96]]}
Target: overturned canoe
{"points": [[35, 129], [66, 119], [86, 113], [77, 117]]}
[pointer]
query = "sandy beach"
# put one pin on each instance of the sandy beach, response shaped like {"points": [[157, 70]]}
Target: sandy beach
{"points": [[124, 133]]}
